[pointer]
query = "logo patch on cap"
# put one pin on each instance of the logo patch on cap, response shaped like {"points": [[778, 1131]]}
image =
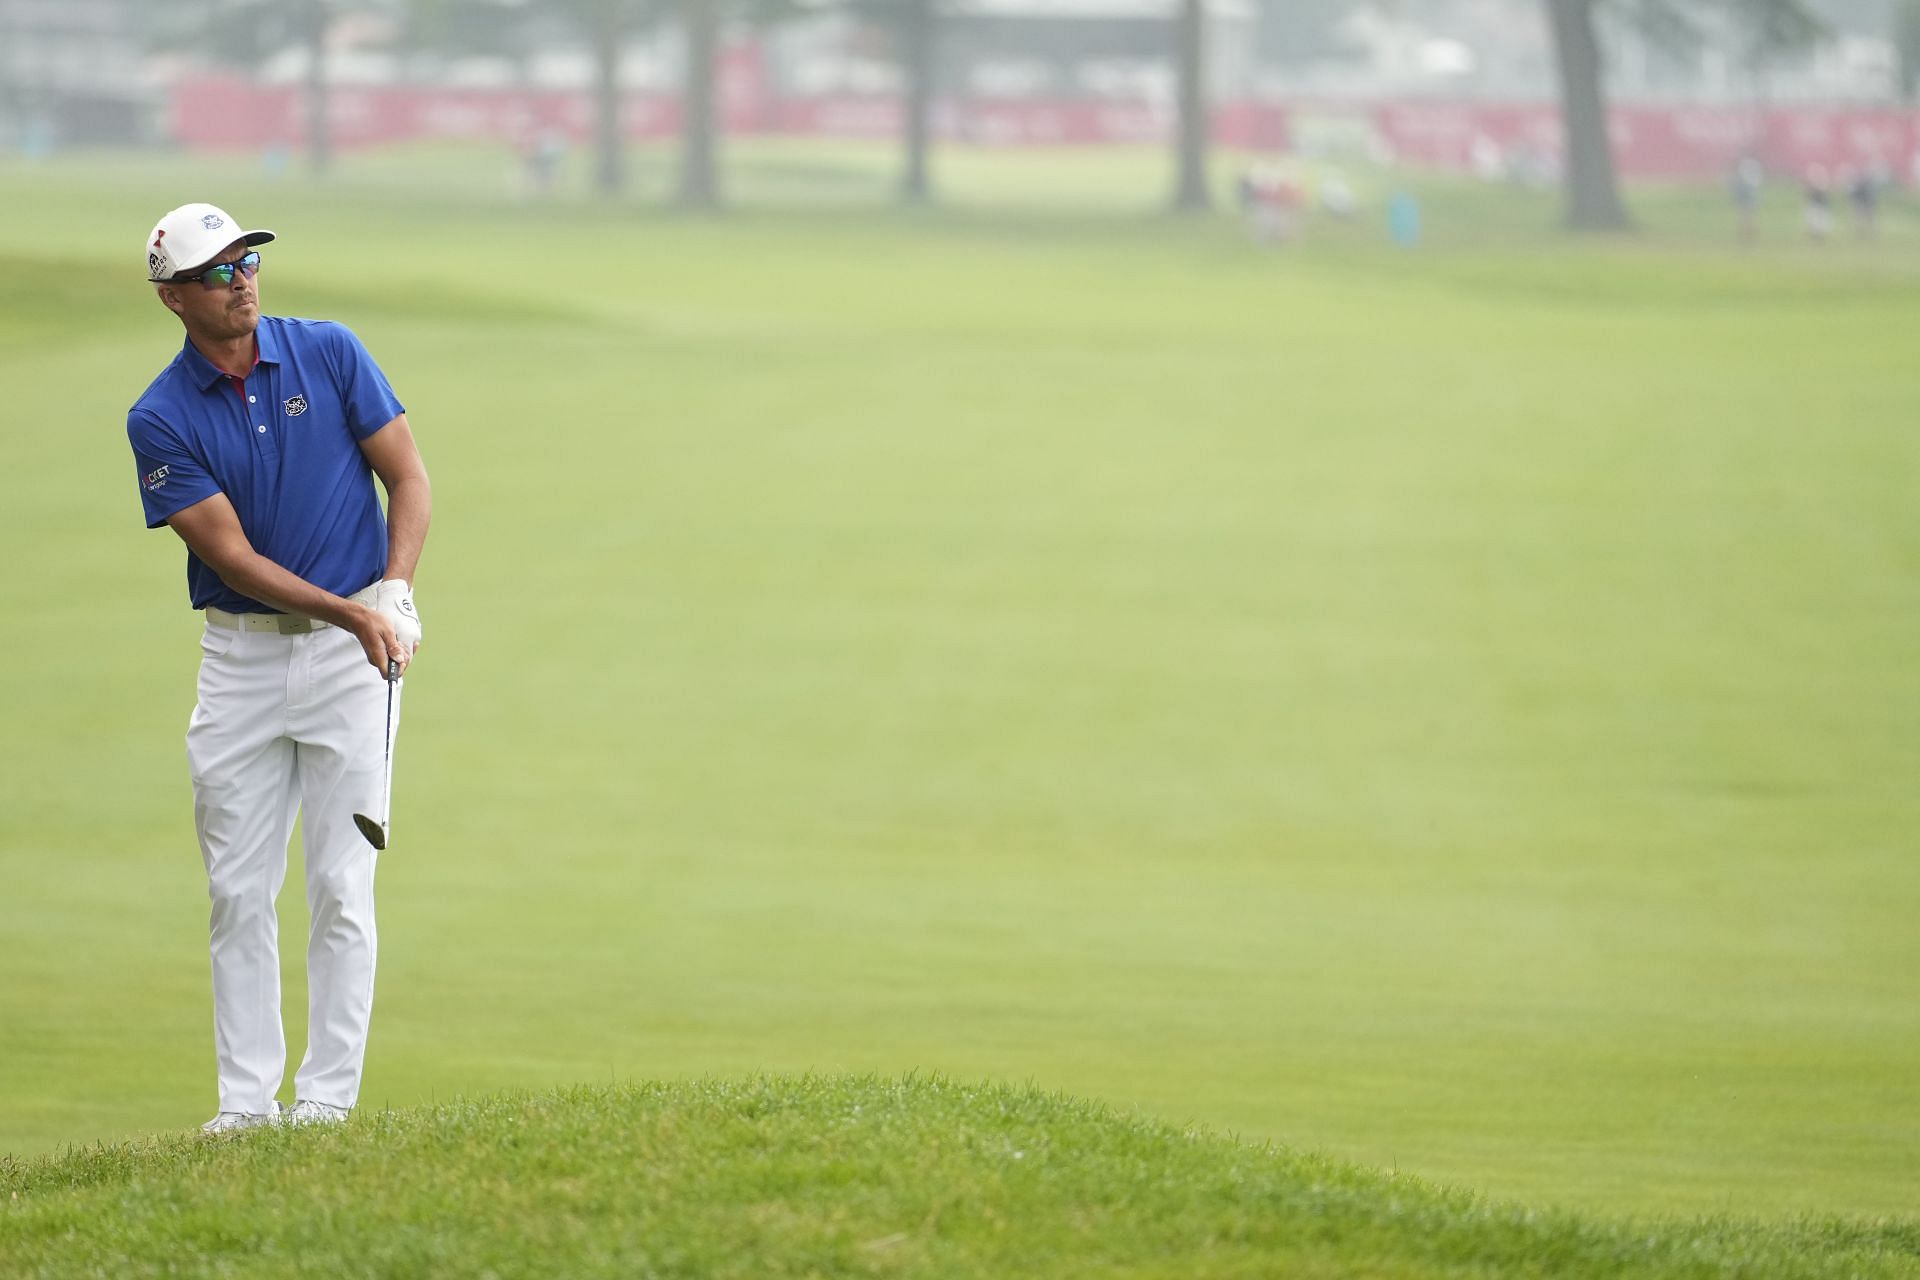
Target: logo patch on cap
{"points": [[155, 264], [296, 406], [213, 222]]}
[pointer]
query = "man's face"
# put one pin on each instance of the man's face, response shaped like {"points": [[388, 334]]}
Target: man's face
{"points": [[221, 312]]}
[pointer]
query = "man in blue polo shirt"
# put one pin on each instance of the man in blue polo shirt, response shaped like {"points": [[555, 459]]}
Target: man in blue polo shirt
{"points": [[259, 445]]}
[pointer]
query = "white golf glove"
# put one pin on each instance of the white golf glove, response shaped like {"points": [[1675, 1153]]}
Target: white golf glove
{"points": [[394, 598]]}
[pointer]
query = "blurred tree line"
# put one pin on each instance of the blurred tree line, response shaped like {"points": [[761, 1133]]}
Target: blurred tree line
{"points": [[914, 34]]}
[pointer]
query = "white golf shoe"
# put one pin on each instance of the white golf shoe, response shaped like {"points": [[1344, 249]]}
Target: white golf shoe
{"points": [[307, 1112], [235, 1121]]}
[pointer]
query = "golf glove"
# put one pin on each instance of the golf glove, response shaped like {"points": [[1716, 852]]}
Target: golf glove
{"points": [[394, 598]]}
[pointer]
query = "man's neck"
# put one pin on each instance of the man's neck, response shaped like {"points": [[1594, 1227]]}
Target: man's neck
{"points": [[234, 357]]}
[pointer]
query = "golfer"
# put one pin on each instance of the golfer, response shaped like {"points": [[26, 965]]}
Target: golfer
{"points": [[259, 445]]}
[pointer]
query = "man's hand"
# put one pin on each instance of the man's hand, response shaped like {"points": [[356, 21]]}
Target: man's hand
{"points": [[379, 640], [394, 598]]}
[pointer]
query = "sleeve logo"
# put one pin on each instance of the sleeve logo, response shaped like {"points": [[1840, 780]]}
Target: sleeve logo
{"points": [[296, 406], [154, 479]]}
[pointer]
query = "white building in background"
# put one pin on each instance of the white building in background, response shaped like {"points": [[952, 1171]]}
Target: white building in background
{"points": [[71, 71]]}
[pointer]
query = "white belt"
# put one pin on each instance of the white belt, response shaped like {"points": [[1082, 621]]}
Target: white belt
{"points": [[287, 624]]}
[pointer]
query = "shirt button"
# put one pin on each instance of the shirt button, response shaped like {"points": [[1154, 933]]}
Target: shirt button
{"points": [[263, 428], [249, 399]]}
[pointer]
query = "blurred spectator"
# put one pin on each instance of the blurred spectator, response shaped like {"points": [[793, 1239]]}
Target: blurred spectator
{"points": [[1270, 201], [1484, 157], [37, 136], [1403, 218], [1864, 193], [1533, 167], [1247, 195], [1819, 204], [1744, 186], [541, 154], [1336, 195]]}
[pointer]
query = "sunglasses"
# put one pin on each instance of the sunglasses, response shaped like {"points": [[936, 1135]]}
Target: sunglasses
{"points": [[220, 275]]}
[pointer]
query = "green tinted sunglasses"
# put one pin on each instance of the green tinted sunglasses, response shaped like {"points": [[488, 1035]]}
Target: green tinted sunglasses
{"points": [[220, 275]]}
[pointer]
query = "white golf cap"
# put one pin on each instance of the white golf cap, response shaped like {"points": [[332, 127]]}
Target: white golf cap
{"points": [[191, 235]]}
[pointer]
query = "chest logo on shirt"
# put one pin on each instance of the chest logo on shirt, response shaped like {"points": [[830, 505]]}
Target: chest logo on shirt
{"points": [[296, 406]]}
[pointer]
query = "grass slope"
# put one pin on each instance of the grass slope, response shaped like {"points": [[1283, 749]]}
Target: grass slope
{"points": [[822, 1176]]}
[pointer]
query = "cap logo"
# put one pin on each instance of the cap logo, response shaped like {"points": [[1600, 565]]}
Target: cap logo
{"points": [[213, 222], [160, 233], [155, 264], [296, 406]]}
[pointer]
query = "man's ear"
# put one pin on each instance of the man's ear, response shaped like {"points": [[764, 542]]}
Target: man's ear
{"points": [[168, 297]]}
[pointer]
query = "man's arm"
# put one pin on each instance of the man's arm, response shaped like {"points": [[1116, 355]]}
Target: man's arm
{"points": [[395, 458], [211, 529]]}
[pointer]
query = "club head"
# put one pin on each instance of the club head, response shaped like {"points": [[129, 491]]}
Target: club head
{"points": [[375, 833]]}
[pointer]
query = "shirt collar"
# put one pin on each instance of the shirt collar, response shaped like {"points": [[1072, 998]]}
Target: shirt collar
{"points": [[266, 351]]}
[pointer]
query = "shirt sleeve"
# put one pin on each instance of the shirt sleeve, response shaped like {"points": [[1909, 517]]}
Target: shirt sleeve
{"points": [[364, 390], [171, 479]]}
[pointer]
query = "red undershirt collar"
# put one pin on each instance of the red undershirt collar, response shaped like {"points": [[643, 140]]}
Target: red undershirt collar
{"points": [[239, 381]]}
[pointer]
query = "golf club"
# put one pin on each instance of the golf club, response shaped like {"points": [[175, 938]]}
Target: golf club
{"points": [[376, 832]]}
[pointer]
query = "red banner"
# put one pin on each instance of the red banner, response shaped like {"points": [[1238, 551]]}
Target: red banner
{"points": [[1492, 138], [1650, 142]]}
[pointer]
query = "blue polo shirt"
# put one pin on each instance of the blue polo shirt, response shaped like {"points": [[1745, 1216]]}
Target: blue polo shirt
{"points": [[286, 454]]}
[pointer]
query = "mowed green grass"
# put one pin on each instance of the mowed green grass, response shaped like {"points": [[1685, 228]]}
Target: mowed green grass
{"points": [[1453, 711], [825, 1176]]}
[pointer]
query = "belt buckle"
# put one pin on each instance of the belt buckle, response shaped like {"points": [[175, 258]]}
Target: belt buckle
{"points": [[292, 625]]}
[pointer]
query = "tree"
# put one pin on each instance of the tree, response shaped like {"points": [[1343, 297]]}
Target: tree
{"points": [[496, 28], [319, 137], [1592, 189], [699, 187], [1906, 44], [918, 26], [1190, 191], [511, 28], [1296, 33], [912, 29], [243, 33], [1770, 30], [606, 24], [605, 21]]}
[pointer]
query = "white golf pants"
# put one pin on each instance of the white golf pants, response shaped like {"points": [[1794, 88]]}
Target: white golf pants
{"points": [[288, 725]]}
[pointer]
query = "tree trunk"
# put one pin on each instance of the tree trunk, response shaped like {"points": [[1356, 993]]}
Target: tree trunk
{"points": [[319, 139], [699, 128], [1190, 193], [1906, 47], [1593, 193], [918, 25], [609, 141]]}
